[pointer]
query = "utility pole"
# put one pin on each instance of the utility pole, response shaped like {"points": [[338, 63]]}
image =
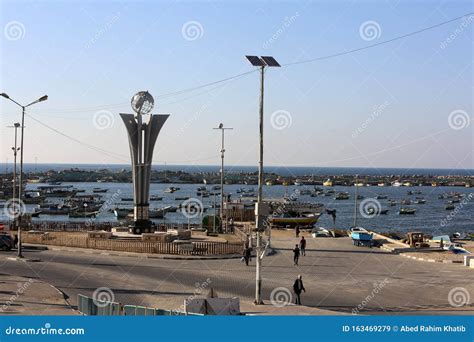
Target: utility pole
{"points": [[355, 201], [261, 209], [222, 128], [15, 150]]}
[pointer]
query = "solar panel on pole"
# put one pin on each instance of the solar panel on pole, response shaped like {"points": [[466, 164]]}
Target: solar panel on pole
{"points": [[270, 61], [255, 61]]}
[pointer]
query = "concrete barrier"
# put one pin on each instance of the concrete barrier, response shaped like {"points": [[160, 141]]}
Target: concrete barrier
{"points": [[213, 306], [469, 261]]}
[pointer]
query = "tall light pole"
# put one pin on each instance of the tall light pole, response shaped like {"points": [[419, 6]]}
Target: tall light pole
{"points": [[260, 209], [20, 185], [222, 128], [15, 150]]}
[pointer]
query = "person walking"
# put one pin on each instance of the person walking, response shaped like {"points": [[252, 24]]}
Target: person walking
{"points": [[297, 231], [296, 254], [247, 255], [297, 288], [303, 246]]}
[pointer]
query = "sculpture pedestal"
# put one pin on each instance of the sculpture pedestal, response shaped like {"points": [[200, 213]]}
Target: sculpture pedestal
{"points": [[142, 226]]}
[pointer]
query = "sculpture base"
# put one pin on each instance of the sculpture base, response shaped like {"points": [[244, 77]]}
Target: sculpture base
{"points": [[142, 226]]}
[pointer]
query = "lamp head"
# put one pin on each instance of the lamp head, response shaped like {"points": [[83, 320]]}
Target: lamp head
{"points": [[43, 98], [5, 95]]}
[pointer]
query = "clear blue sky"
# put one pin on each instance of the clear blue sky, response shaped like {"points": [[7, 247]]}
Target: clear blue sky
{"points": [[94, 55]]}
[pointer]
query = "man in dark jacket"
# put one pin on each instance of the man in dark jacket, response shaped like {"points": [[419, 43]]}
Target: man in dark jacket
{"points": [[247, 255], [298, 287], [303, 246], [296, 254]]}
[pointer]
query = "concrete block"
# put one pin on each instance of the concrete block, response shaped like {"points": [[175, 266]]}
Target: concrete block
{"points": [[99, 235], [468, 259], [213, 306]]}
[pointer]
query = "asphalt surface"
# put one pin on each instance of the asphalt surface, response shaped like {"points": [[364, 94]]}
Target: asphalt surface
{"points": [[337, 276]]}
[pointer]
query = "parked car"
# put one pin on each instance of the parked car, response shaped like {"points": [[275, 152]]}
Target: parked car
{"points": [[6, 242]]}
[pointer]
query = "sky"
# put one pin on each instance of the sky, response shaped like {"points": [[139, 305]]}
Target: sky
{"points": [[408, 103]]}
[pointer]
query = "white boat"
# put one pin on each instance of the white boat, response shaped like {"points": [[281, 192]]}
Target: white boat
{"points": [[396, 183]]}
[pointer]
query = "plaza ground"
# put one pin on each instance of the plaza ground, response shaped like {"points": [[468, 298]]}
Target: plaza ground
{"points": [[338, 277]]}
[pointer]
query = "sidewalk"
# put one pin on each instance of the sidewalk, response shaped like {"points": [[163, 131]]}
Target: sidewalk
{"points": [[27, 296]]}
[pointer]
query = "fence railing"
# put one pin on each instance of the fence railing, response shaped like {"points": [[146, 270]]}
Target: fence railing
{"points": [[83, 241], [90, 307]]}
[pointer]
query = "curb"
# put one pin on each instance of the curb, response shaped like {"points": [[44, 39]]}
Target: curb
{"points": [[431, 260], [65, 298]]}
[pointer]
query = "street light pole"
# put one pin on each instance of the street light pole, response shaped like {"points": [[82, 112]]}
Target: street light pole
{"points": [[222, 128], [261, 62], [20, 185], [15, 150]]}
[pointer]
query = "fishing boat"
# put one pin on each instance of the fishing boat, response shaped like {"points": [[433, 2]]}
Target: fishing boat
{"points": [[405, 202], [305, 192], [298, 182], [449, 207], [202, 188], [420, 201], [99, 190], [183, 198], [327, 183], [305, 221], [372, 211], [215, 187], [55, 210], [269, 183], [171, 189], [127, 199], [78, 214], [156, 198], [379, 197], [122, 212], [341, 196], [396, 184], [392, 203], [407, 211]]}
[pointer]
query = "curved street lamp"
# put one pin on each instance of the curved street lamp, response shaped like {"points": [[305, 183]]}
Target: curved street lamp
{"points": [[20, 187]]}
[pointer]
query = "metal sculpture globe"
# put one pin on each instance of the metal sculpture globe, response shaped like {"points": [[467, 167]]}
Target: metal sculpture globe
{"points": [[142, 103]]}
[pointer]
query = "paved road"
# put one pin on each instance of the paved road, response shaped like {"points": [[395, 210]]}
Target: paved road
{"points": [[337, 276]]}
